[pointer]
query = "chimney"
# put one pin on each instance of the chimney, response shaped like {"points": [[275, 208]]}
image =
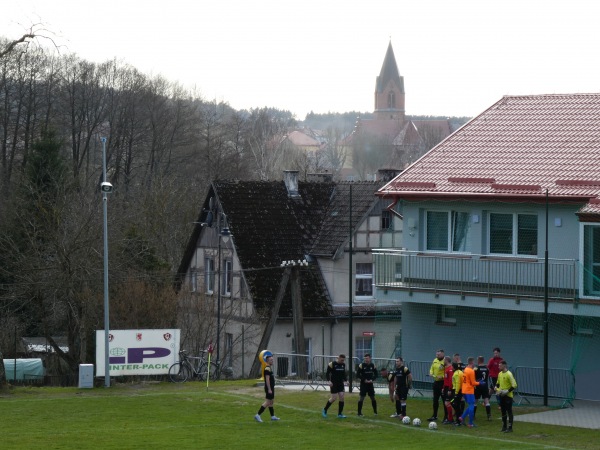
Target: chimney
{"points": [[387, 174], [290, 178], [320, 177]]}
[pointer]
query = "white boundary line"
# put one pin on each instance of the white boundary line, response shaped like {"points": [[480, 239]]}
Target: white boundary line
{"points": [[411, 428]]}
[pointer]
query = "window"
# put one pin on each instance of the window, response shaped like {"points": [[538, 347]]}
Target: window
{"points": [[193, 281], [364, 345], [582, 326], [398, 345], [243, 288], [229, 349], [391, 100], [533, 321], [513, 234], [446, 315], [591, 260], [448, 231], [386, 220], [227, 277], [209, 275], [364, 280]]}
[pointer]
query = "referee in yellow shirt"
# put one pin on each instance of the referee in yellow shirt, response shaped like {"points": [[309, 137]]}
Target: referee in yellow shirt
{"points": [[436, 371]]}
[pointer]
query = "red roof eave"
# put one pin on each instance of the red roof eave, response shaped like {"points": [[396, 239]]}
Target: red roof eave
{"points": [[483, 196]]}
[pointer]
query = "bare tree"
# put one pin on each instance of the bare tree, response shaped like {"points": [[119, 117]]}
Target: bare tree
{"points": [[334, 151], [264, 136]]}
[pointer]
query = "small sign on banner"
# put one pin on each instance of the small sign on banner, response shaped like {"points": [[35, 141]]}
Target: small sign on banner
{"points": [[368, 333]]}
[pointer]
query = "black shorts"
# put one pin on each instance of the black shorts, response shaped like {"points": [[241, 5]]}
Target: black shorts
{"points": [[367, 389], [481, 392], [457, 399], [270, 396], [493, 381], [402, 393], [438, 387], [337, 387], [448, 394]]}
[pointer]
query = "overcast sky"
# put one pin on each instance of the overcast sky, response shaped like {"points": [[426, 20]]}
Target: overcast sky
{"points": [[457, 57]]}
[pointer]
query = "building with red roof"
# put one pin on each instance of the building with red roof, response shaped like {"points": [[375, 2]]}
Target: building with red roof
{"points": [[480, 210]]}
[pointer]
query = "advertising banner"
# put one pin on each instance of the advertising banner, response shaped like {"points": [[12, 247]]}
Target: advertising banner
{"points": [[137, 352]]}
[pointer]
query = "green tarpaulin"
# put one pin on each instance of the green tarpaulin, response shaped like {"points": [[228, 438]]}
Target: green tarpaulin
{"points": [[26, 369]]}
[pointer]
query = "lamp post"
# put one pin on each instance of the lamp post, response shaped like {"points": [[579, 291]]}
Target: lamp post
{"points": [[106, 188], [223, 234]]}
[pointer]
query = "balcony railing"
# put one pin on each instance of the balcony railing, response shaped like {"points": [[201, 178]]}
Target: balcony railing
{"points": [[475, 274]]}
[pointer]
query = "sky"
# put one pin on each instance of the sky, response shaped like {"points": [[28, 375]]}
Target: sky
{"points": [[457, 57]]}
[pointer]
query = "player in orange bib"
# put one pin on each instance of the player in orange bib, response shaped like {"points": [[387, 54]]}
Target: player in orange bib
{"points": [[468, 390]]}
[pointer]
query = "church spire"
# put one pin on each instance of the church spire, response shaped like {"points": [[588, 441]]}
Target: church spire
{"points": [[389, 89]]}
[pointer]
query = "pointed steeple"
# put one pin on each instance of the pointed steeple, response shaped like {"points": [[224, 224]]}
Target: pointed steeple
{"points": [[389, 89]]}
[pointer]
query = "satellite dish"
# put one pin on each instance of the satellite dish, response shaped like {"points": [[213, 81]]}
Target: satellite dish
{"points": [[211, 203], [209, 219]]}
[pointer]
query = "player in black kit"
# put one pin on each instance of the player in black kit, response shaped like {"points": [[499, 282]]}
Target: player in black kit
{"points": [[336, 375], [366, 373], [269, 378], [400, 381], [482, 374]]}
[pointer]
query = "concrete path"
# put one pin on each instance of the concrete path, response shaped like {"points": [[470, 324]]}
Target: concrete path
{"points": [[583, 414]]}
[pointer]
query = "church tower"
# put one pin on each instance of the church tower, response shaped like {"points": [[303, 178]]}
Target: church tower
{"points": [[389, 90]]}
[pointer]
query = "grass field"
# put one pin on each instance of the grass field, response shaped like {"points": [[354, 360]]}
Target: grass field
{"points": [[166, 415]]}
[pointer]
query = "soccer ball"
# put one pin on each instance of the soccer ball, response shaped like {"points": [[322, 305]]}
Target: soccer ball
{"points": [[406, 420], [432, 426], [417, 422]]}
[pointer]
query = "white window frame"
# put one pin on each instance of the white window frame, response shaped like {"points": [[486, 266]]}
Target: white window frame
{"points": [[227, 277], [449, 231], [582, 257], [386, 215], [193, 281], [447, 314], [515, 234], [229, 348], [363, 276], [361, 350], [209, 275], [578, 330], [530, 325]]}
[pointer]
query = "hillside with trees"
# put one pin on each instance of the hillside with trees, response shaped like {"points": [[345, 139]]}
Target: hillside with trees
{"points": [[165, 144]]}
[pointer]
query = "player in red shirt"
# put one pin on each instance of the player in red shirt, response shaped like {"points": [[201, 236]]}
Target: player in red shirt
{"points": [[448, 392], [494, 368]]}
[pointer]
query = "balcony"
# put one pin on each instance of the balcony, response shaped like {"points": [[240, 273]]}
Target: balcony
{"points": [[478, 275]]}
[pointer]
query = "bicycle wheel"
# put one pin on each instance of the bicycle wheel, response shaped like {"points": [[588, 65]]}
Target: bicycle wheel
{"points": [[203, 371], [215, 373], [179, 372]]}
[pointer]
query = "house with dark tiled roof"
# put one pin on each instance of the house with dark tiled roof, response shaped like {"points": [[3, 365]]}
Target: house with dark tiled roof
{"points": [[502, 243], [231, 272], [390, 139]]}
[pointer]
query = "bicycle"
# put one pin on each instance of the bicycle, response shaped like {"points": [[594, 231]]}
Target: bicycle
{"points": [[192, 366]]}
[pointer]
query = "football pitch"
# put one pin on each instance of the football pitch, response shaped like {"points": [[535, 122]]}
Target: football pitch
{"points": [[188, 415]]}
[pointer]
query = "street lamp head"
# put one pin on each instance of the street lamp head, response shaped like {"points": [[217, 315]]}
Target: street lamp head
{"points": [[105, 186], [226, 234]]}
